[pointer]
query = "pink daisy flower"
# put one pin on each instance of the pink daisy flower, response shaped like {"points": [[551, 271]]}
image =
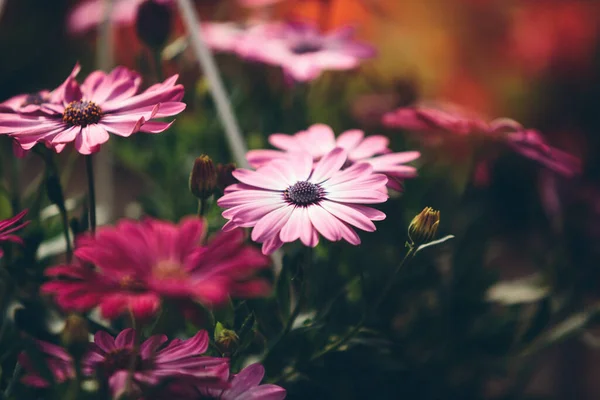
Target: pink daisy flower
{"points": [[110, 360], [319, 140], [89, 14], [243, 386], [245, 40], [527, 142], [304, 53], [287, 200], [139, 263], [246, 386], [56, 358], [103, 103], [10, 226]]}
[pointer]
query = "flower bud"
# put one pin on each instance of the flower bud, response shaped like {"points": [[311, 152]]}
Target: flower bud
{"points": [[75, 335], [225, 176], [153, 22], [424, 226], [203, 179], [225, 339]]}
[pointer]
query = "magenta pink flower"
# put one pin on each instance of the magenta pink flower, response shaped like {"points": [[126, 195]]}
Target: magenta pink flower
{"points": [[258, 3], [527, 142], [304, 53], [111, 358], [58, 361], [246, 386], [10, 226], [90, 13], [319, 140], [140, 263], [435, 120], [103, 103], [287, 200]]}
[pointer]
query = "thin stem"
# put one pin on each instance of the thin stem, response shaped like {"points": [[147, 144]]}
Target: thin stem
{"points": [[13, 381], [202, 207], [89, 167], [157, 56], [302, 297], [58, 199], [206, 60], [352, 332], [409, 254], [65, 223]]}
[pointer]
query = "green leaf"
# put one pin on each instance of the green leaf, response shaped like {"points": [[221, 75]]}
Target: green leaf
{"points": [[434, 243], [219, 328]]}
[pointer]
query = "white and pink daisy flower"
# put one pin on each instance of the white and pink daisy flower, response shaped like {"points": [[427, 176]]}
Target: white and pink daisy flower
{"points": [[304, 53], [319, 139], [87, 113], [288, 199]]}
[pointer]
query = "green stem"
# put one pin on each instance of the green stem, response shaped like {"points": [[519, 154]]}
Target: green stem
{"points": [[302, 297], [89, 167], [409, 254], [58, 198], [352, 332], [157, 57], [202, 207]]}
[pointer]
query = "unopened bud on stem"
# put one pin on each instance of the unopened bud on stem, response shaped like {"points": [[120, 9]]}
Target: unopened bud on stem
{"points": [[203, 179], [424, 226]]}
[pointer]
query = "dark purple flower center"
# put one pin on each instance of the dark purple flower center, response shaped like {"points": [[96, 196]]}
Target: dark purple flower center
{"points": [[34, 99], [82, 113], [304, 193], [306, 47], [120, 360]]}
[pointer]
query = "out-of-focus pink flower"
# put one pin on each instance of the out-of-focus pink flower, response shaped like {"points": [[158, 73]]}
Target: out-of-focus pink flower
{"points": [[245, 386], [10, 226], [245, 40], [531, 144], [434, 120], [140, 263], [89, 14], [103, 103], [288, 199], [258, 3], [527, 142], [304, 53], [58, 361], [110, 359], [319, 140]]}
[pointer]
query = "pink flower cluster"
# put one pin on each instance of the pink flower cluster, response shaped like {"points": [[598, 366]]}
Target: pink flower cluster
{"points": [[86, 113], [316, 185], [527, 142], [299, 48], [158, 366], [134, 266]]}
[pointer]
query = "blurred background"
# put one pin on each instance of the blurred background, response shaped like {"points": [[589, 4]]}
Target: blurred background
{"points": [[506, 311]]}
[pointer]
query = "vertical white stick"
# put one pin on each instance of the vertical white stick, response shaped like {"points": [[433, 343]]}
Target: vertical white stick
{"points": [[103, 161], [207, 62]]}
